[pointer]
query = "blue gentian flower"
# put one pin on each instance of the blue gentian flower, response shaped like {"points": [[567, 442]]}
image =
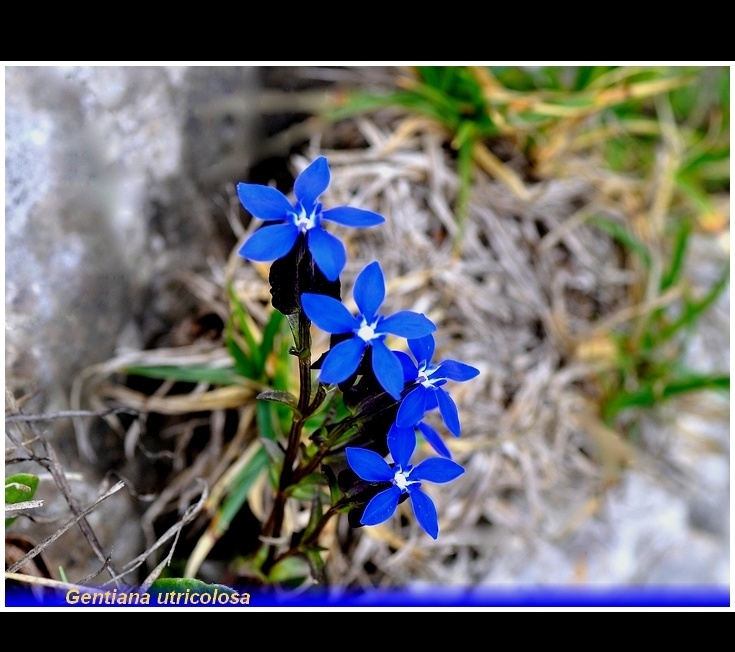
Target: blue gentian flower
{"points": [[404, 479], [368, 329], [288, 221], [428, 392], [430, 435]]}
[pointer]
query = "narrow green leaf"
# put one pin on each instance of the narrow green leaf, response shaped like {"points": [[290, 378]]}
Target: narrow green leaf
{"points": [[243, 363], [681, 240], [275, 452], [464, 169], [316, 565], [335, 493], [246, 327], [623, 236], [693, 310], [265, 419], [652, 393], [238, 494], [213, 376], [315, 516], [271, 330]]}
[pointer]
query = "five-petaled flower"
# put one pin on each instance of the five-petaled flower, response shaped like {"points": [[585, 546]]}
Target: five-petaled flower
{"points": [[304, 217], [368, 329], [428, 393], [431, 436], [403, 478]]}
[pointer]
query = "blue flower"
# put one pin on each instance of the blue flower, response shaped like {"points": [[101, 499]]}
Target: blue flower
{"points": [[431, 436], [428, 392], [288, 221], [368, 329], [404, 479]]}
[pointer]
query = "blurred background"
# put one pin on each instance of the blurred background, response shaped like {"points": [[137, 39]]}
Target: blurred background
{"points": [[566, 228]]}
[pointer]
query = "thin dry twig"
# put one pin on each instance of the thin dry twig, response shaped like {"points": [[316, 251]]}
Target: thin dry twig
{"points": [[50, 462], [174, 531], [78, 518]]}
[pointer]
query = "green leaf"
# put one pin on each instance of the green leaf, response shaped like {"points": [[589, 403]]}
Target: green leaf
{"points": [[271, 330], [623, 236], [307, 487], [315, 516], [243, 363], [18, 489], [213, 376], [681, 240], [238, 495], [265, 418], [275, 452], [693, 310], [246, 327], [184, 584], [290, 569], [654, 392], [316, 564], [281, 397], [335, 492]]}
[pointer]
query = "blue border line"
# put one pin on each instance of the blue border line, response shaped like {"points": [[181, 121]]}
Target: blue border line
{"points": [[439, 596]]}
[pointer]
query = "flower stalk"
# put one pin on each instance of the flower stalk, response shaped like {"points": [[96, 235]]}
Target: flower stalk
{"points": [[385, 392]]}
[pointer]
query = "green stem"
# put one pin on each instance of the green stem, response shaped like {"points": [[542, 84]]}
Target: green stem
{"points": [[325, 447], [302, 348]]}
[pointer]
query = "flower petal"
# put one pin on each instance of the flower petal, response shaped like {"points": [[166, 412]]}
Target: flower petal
{"points": [[369, 465], [388, 369], [341, 362], [425, 511], [412, 408], [312, 182], [455, 370], [369, 290], [329, 252], [448, 410], [270, 242], [355, 217], [265, 203], [435, 441], [431, 402], [406, 323], [422, 348], [410, 371], [381, 507], [401, 444], [328, 314], [436, 469]]}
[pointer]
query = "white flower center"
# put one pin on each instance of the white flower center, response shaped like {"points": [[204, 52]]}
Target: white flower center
{"points": [[401, 480], [366, 332], [303, 221], [425, 373]]}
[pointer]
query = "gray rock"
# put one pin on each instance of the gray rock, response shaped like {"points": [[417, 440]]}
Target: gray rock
{"points": [[110, 173], [110, 179]]}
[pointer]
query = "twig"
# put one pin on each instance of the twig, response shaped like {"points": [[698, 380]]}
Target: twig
{"points": [[48, 541], [191, 513], [51, 463], [26, 504], [65, 414]]}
